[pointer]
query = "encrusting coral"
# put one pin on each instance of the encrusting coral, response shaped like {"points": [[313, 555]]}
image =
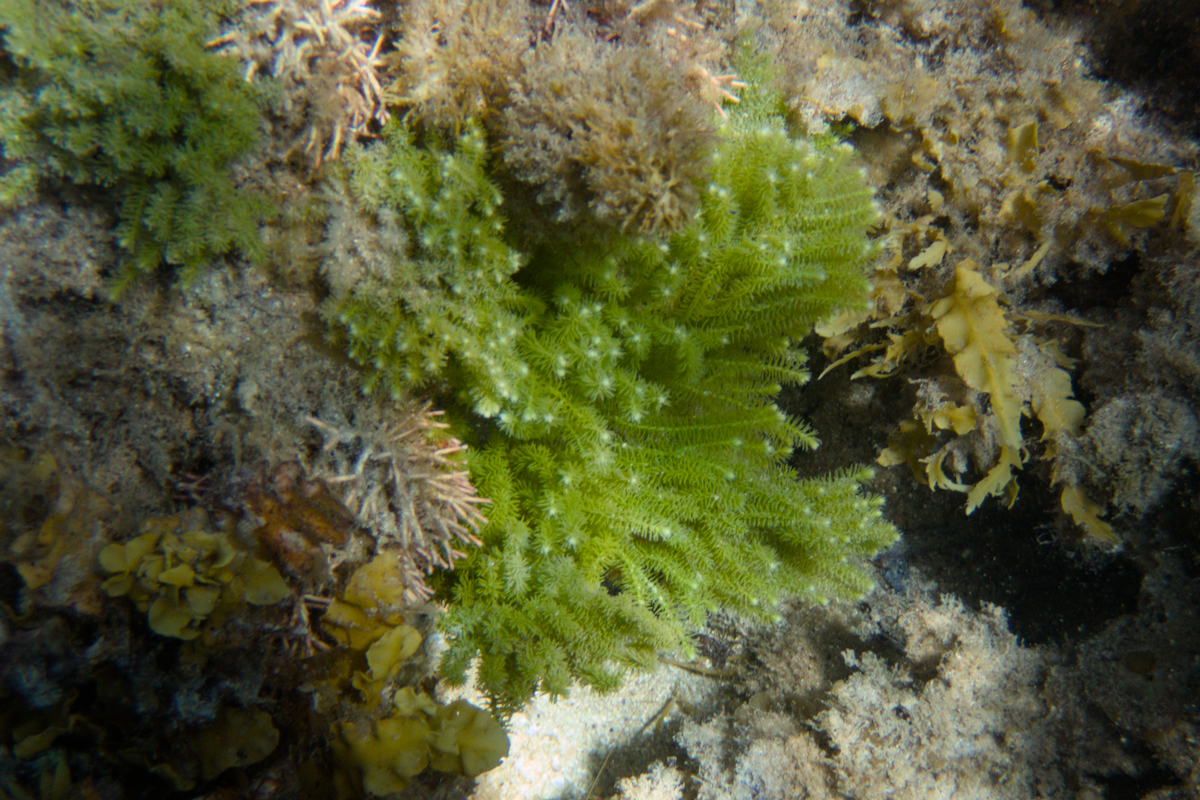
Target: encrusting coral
{"points": [[620, 391]]}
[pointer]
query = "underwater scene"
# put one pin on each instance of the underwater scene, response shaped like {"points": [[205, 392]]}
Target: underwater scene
{"points": [[599, 400]]}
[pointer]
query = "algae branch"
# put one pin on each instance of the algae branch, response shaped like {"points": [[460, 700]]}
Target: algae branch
{"points": [[641, 292]]}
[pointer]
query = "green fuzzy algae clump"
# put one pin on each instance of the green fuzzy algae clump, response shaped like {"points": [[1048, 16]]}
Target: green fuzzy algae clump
{"points": [[124, 96], [621, 394]]}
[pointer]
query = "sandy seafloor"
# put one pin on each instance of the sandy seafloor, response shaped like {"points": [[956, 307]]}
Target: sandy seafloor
{"points": [[1001, 656]]}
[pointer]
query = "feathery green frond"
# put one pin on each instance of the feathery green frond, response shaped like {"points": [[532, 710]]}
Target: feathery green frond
{"points": [[124, 96], [622, 390]]}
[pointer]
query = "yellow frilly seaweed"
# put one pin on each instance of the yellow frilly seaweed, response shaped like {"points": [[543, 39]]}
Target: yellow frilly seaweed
{"points": [[180, 572]]}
